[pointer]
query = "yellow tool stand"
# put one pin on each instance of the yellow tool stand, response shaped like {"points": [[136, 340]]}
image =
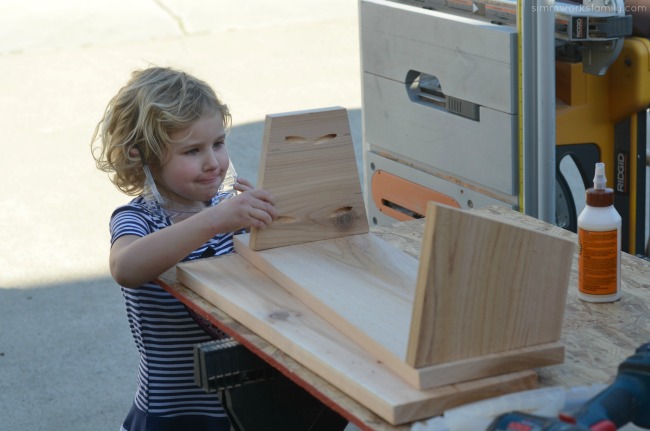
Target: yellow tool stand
{"points": [[603, 118]]}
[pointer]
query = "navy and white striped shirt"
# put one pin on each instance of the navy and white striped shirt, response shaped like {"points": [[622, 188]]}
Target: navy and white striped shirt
{"points": [[163, 328]]}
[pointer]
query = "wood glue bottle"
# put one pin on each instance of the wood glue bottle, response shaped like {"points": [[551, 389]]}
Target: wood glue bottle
{"points": [[599, 241]]}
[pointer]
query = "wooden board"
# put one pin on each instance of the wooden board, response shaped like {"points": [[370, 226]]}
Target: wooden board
{"points": [[493, 285], [308, 164], [253, 299], [360, 283], [365, 288], [598, 337]]}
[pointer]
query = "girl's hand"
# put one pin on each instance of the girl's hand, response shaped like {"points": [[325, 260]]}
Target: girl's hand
{"points": [[250, 208], [242, 185]]}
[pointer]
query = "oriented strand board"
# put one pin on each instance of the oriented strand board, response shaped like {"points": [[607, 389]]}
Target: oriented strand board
{"points": [[308, 164], [252, 298]]}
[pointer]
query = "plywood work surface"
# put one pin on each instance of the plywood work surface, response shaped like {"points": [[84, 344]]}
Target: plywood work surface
{"points": [[309, 166], [234, 285]]}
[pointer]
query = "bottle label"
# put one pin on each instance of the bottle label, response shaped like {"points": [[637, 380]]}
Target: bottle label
{"points": [[597, 262]]}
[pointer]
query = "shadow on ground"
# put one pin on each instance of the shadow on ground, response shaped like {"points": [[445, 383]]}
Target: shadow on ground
{"points": [[67, 359]]}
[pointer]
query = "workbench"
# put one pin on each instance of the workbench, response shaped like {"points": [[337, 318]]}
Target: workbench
{"points": [[597, 337]]}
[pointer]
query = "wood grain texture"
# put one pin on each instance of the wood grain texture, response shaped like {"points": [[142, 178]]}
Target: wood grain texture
{"points": [[360, 283], [485, 286], [309, 166], [365, 287], [597, 337], [331, 396], [478, 367], [242, 291]]}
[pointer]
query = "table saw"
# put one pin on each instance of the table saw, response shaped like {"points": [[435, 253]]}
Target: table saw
{"points": [[442, 89]]}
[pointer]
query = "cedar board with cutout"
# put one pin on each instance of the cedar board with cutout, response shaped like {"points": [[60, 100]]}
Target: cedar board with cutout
{"points": [[308, 164]]}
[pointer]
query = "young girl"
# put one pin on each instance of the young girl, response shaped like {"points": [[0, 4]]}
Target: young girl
{"points": [[162, 139]]}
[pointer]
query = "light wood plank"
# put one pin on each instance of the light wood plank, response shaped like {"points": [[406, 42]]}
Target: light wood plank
{"points": [[308, 164], [362, 284], [485, 286], [252, 298], [598, 337], [364, 287]]}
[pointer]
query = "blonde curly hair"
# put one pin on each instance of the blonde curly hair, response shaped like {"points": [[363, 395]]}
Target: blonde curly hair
{"points": [[138, 121]]}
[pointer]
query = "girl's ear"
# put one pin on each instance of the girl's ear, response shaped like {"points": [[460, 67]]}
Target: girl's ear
{"points": [[136, 154]]}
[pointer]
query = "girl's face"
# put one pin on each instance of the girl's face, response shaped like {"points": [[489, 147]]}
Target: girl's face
{"points": [[196, 164]]}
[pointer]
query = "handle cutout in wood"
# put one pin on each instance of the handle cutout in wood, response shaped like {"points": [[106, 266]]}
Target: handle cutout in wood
{"points": [[315, 141], [286, 219], [305, 143]]}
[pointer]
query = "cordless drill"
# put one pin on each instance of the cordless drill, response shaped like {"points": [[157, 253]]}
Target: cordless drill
{"points": [[627, 399]]}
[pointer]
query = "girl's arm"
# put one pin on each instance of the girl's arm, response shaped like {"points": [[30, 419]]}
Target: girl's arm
{"points": [[136, 260]]}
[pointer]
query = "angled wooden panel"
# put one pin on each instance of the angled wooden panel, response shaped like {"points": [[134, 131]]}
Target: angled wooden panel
{"points": [[485, 286], [252, 298], [365, 288], [308, 164], [360, 283]]}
